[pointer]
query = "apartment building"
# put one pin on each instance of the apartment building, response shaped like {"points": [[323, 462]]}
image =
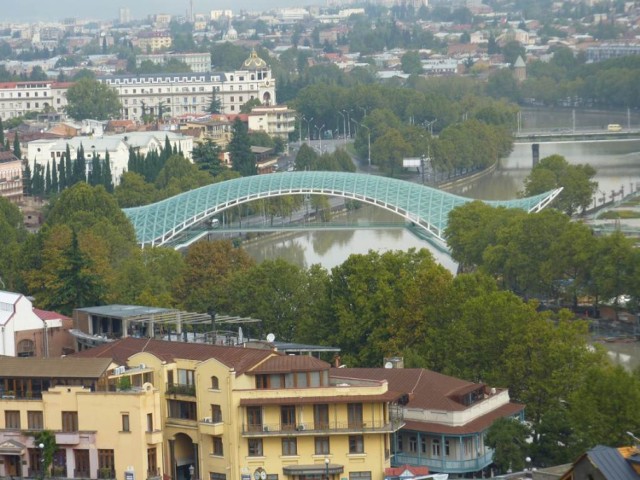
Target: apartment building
{"points": [[100, 431], [197, 62], [152, 41], [10, 177], [18, 98], [276, 120], [184, 94], [250, 413]]}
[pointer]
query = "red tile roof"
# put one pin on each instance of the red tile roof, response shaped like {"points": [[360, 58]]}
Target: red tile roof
{"points": [[397, 471], [427, 389], [48, 315], [290, 363], [238, 358]]}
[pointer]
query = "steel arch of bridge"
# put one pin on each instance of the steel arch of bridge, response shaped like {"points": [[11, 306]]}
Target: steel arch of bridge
{"points": [[427, 207]]}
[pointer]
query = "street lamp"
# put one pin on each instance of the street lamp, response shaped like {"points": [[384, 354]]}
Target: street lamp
{"points": [[192, 470], [326, 466], [344, 126], [308, 126], [528, 462], [319, 135], [41, 447], [368, 140], [348, 122]]}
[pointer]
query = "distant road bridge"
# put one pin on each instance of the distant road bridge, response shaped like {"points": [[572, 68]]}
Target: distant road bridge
{"points": [[569, 134], [427, 208]]}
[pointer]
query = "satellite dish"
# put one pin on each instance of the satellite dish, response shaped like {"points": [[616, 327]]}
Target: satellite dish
{"points": [[271, 337], [388, 365]]}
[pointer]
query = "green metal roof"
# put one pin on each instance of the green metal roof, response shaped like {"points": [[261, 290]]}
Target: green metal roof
{"points": [[427, 207]]}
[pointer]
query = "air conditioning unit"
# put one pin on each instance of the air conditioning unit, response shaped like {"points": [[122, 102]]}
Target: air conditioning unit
{"points": [[142, 365], [300, 428], [265, 428], [207, 420], [119, 370]]}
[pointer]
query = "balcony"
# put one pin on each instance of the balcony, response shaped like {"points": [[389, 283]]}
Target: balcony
{"points": [[311, 428], [211, 426], [68, 438], [153, 437], [443, 465], [181, 389]]}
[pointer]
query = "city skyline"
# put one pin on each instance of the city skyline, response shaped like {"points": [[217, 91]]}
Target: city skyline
{"points": [[42, 10]]}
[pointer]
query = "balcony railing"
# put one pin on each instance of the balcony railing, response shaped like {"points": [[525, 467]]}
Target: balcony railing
{"points": [[181, 389], [265, 429], [438, 464]]}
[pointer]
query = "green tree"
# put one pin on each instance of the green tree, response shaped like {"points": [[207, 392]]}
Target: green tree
{"points": [[508, 439], [512, 50], [411, 62], [47, 439], [239, 147], [215, 105], [17, 151], [206, 156], [249, 105], [89, 98], [576, 181], [133, 191]]}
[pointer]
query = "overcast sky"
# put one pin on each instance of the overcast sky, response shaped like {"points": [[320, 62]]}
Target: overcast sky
{"points": [[48, 10]]}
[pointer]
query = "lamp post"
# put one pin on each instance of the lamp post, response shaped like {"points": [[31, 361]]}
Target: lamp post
{"points": [[320, 135], [308, 126], [344, 126], [326, 466], [41, 447], [348, 122], [368, 140], [528, 464], [192, 470]]}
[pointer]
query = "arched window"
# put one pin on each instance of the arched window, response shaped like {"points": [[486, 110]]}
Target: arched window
{"points": [[215, 384], [26, 348]]}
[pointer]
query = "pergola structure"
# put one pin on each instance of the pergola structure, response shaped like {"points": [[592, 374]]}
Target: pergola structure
{"points": [[426, 207]]}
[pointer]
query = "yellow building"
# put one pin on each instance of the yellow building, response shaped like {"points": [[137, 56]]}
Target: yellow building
{"points": [[100, 432], [255, 414]]}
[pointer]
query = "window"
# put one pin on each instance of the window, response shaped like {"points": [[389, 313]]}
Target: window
{"points": [[183, 410], [217, 476], [106, 463], [35, 461], [400, 443], [289, 446], [12, 419], [423, 444], [413, 444], [354, 412], [255, 447], [152, 462], [215, 384], [360, 476], [149, 422], [81, 457], [216, 413], [446, 448], [217, 450], [34, 420], [125, 422], [321, 416], [288, 417], [322, 445], [435, 448], [26, 348], [356, 444], [69, 421], [254, 418]]}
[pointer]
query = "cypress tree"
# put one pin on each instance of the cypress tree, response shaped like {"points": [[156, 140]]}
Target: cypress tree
{"points": [[107, 176], [47, 179], [54, 178], [80, 168], [68, 168], [167, 150], [62, 174], [37, 183], [95, 176], [1, 132], [26, 179], [16, 147]]}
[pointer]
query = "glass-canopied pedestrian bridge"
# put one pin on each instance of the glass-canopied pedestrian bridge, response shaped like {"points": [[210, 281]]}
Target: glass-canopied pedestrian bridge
{"points": [[427, 208]]}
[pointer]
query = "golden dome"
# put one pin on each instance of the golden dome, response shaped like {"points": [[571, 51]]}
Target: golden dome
{"points": [[254, 62]]}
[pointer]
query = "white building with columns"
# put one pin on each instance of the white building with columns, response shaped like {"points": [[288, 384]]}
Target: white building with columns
{"points": [[179, 94]]}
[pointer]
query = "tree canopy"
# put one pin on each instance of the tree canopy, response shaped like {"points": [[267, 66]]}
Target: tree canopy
{"points": [[89, 98]]}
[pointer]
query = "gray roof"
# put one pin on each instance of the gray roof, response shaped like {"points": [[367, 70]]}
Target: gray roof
{"points": [[124, 311], [302, 348], [611, 463]]}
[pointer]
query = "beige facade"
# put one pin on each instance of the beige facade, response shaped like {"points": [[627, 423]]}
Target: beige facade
{"points": [[18, 98], [99, 432], [10, 177], [276, 120], [234, 413]]}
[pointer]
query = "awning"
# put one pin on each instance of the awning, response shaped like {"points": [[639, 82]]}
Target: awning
{"points": [[316, 469], [11, 447]]}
